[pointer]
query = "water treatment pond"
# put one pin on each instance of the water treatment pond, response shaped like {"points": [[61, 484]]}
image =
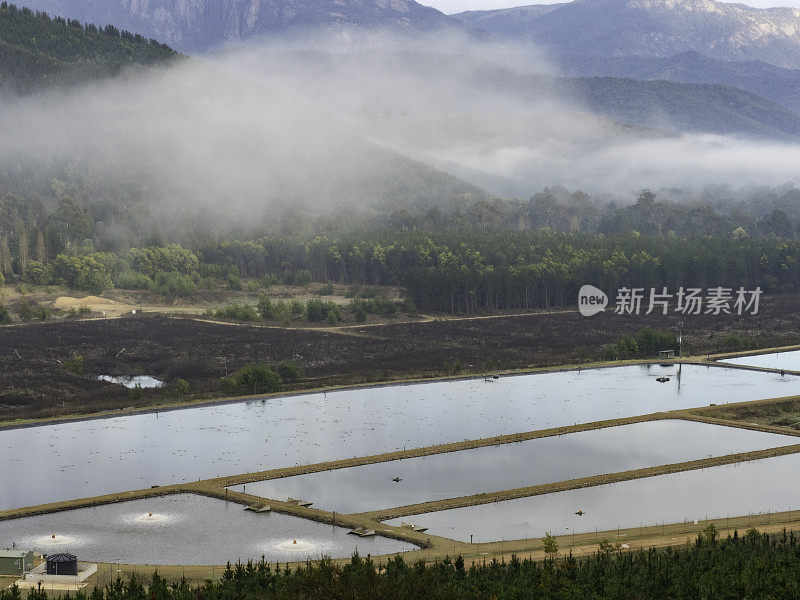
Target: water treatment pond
{"points": [[185, 529], [79, 459], [789, 361], [494, 468], [760, 486]]}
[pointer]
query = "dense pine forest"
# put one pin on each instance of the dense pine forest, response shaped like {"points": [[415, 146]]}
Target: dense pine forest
{"points": [[469, 269], [751, 566], [456, 270], [37, 51]]}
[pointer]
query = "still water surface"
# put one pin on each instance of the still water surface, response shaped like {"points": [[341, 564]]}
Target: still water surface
{"points": [[789, 361], [759, 486], [74, 460], [493, 468], [186, 529]]}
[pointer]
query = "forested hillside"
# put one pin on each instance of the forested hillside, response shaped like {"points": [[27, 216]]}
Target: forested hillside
{"points": [[37, 51], [776, 84], [684, 107]]}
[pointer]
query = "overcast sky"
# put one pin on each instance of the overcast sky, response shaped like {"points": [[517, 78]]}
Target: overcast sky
{"points": [[454, 6]]}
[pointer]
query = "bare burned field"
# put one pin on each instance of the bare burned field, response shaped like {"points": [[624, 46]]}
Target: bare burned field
{"points": [[34, 380]]}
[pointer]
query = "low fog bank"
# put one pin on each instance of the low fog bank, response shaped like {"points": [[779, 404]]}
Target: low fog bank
{"points": [[197, 142], [686, 162], [488, 113], [238, 137]]}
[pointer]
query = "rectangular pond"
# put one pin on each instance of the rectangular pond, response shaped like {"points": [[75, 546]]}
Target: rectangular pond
{"points": [[185, 529], [759, 486], [494, 468], [79, 459], [788, 361]]}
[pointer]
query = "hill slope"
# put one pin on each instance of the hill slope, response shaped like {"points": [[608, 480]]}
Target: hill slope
{"points": [[198, 25], [447, 84], [37, 51], [684, 107], [652, 28], [777, 84]]}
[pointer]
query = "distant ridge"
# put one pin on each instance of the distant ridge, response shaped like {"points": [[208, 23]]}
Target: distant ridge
{"points": [[651, 28], [777, 84], [200, 25]]}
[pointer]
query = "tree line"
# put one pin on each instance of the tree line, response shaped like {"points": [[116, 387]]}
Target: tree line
{"points": [[454, 270], [470, 269], [751, 566]]}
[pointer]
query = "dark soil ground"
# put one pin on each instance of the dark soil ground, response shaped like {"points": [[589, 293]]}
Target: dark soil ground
{"points": [[35, 383]]}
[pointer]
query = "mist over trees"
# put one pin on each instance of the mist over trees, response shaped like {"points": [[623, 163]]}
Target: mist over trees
{"points": [[185, 178], [488, 255]]}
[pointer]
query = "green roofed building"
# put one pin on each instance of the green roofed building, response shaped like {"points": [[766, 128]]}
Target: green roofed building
{"points": [[15, 562]]}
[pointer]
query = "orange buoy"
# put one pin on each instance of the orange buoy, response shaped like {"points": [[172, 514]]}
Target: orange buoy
{"points": [[294, 542]]}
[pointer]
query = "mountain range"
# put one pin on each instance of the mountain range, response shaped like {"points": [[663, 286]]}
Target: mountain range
{"points": [[651, 28], [684, 93], [644, 28], [195, 26]]}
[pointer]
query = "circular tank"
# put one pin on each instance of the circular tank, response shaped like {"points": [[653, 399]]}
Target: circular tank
{"points": [[62, 564]]}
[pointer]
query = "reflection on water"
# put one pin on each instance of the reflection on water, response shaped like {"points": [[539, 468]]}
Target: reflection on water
{"points": [[753, 487], [789, 361], [122, 453], [187, 530], [132, 381], [493, 468]]}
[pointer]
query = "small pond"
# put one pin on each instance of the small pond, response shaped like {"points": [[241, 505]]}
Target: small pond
{"points": [[132, 381]]}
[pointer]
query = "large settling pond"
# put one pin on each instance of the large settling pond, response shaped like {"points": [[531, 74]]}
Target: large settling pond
{"points": [[493, 468], [754, 487], [58, 462], [185, 529], [788, 361]]}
